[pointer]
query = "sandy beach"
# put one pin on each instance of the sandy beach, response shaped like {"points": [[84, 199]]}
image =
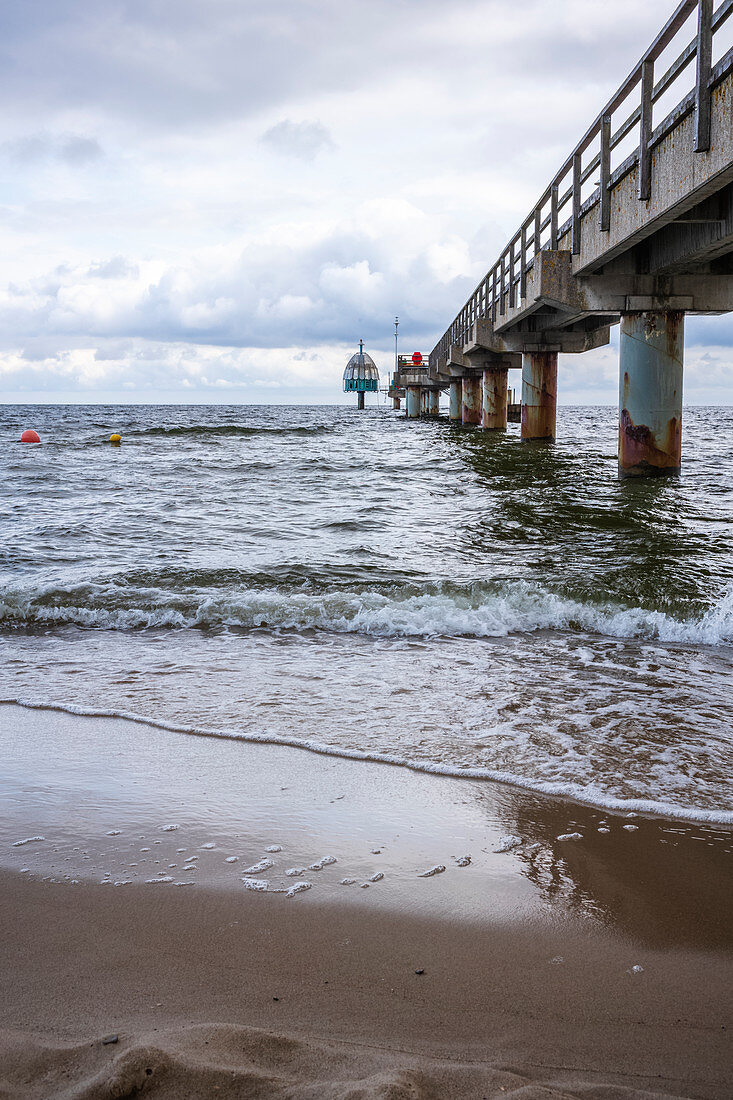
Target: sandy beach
{"points": [[598, 966]]}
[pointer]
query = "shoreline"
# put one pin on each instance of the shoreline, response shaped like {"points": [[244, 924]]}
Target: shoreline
{"points": [[563, 792], [549, 966]]}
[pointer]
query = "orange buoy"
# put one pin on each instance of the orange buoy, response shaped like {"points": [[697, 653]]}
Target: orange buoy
{"points": [[29, 436], [115, 439]]}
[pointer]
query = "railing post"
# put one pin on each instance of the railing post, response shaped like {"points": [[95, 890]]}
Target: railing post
{"points": [[553, 217], [575, 233], [512, 291], [605, 199], [503, 280], [702, 86], [537, 229], [523, 265], [645, 130]]}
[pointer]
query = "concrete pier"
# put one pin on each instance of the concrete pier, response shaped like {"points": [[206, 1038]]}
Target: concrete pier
{"points": [[413, 402], [433, 402], [539, 395], [396, 403], [494, 415], [455, 400], [651, 353], [471, 399]]}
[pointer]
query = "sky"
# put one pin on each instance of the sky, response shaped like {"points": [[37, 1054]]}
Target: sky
{"points": [[213, 202]]}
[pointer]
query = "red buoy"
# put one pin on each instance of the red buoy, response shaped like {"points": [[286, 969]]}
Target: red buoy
{"points": [[29, 436]]}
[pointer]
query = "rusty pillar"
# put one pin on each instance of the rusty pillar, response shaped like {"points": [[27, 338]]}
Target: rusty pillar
{"points": [[539, 395], [651, 354], [433, 402], [471, 400], [396, 403], [423, 402], [454, 410], [495, 400], [413, 402]]}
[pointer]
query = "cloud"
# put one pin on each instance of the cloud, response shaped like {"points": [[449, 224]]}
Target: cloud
{"points": [[205, 198], [303, 140], [71, 149]]}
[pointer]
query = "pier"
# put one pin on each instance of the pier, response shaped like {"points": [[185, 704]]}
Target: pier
{"points": [[640, 238]]}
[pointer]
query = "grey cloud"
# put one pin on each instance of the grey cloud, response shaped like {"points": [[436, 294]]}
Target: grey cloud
{"points": [[116, 268], [303, 140], [76, 149], [72, 149]]}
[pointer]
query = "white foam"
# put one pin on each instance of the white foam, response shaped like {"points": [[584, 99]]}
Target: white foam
{"points": [[114, 832], [169, 828], [347, 882], [584, 793], [506, 843], [256, 868], [257, 884], [292, 872], [436, 870], [231, 859], [160, 878], [463, 861], [274, 848], [376, 877], [297, 888], [569, 836], [209, 845], [28, 840]]}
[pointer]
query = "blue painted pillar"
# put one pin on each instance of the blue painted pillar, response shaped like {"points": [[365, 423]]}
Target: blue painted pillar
{"points": [[651, 355], [455, 399], [539, 395], [433, 402], [471, 399], [413, 402]]}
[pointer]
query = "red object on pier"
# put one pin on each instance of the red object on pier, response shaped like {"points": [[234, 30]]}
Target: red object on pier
{"points": [[417, 358], [29, 436]]}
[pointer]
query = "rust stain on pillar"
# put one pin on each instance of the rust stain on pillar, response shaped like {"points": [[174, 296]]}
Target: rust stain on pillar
{"points": [[494, 416], [471, 399], [539, 395]]}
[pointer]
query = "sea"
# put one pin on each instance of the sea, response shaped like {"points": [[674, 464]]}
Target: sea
{"points": [[445, 599]]}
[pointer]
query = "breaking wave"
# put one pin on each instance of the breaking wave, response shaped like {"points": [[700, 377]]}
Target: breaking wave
{"points": [[406, 610]]}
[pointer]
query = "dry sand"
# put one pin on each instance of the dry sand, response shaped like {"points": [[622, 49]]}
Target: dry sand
{"points": [[511, 977]]}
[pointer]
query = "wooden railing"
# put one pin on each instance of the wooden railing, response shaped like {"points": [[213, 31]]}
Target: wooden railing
{"points": [[544, 226]]}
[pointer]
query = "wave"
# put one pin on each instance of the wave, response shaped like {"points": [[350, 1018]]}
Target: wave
{"points": [[584, 793], [478, 610], [226, 430]]}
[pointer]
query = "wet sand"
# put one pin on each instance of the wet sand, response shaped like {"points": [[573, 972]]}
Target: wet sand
{"points": [[527, 956]]}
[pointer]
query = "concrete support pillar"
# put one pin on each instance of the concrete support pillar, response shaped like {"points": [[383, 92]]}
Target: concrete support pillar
{"points": [[360, 400], [471, 400], [423, 402], [651, 355], [433, 402], [539, 395], [413, 402], [396, 403], [454, 410], [494, 399]]}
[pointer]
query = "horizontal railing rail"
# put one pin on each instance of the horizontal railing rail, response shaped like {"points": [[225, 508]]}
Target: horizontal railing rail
{"points": [[506, 280]]}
